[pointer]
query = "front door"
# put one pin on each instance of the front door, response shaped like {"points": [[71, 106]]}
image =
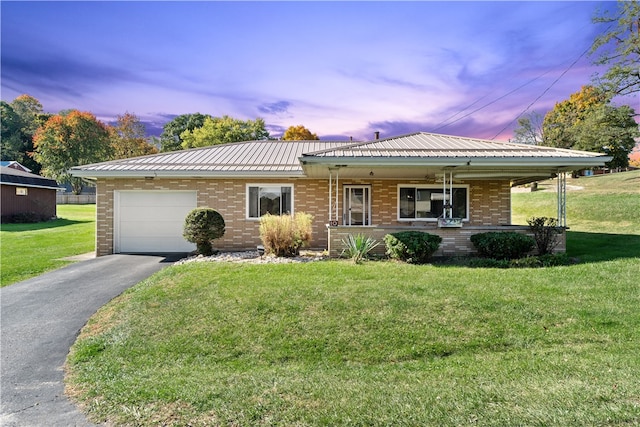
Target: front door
{"points": [[357, 205]]}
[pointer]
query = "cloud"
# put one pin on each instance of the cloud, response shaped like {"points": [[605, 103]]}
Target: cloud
{"points": [[275, 131], [60, 75], [275, 108]]}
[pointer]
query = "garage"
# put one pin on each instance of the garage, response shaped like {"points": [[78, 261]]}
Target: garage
{"points": [[151, 221]]}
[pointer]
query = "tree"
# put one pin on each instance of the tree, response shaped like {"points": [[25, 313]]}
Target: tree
{"points": [[64, 141], [128, 138], [299, 133], [611, 130], [587, 121], [619, 47], [170, 139], [529, 130], [11, 147], [221, 130], [558, 123], [20, 120]]}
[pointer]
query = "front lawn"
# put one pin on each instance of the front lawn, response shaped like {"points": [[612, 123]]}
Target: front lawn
{"points": [[28, 250], [332, 343]]}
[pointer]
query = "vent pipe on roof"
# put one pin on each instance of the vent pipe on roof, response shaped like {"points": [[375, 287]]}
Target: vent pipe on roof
{"points": [[377, 134]]}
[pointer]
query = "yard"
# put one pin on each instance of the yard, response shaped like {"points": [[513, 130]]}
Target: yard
{"points": [[28, 250], [383, 343]]}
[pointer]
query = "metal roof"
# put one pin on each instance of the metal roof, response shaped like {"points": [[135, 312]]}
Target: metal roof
{"points": [[278, 158], [430, 145], [406, 155], [11, 176]]}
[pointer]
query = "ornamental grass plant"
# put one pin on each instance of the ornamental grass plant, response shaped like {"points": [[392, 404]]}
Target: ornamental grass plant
{"points": [[358, 247], [284, 235]]}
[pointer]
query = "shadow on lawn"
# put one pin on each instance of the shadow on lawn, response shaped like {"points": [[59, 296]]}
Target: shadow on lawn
{"points": [[60, 222], [597, 247]]}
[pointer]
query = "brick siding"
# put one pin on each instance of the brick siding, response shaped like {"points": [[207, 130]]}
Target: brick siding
{"points": [[489, 206]]}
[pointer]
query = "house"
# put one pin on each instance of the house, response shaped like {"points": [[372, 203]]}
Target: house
{"points": [[446, 185], [26, 197], [14, 165]]}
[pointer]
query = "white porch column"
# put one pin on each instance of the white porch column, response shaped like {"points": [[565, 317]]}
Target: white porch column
{"points": [[330, 197], [562, 199], [333, 179]]}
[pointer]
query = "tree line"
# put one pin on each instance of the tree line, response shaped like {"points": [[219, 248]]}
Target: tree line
{"points": [[50, 144]]}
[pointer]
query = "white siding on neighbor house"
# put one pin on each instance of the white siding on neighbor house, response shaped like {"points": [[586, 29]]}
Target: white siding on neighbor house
{"points": [[151, 221]]}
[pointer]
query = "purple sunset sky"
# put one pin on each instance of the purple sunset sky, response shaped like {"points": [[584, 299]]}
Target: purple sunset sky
{"points": [[339, 68]]}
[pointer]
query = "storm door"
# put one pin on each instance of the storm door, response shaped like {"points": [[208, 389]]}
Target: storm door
{"points": [[357, 205]]}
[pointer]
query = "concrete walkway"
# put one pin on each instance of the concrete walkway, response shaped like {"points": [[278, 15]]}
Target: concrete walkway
{"points": [[40, 319]]}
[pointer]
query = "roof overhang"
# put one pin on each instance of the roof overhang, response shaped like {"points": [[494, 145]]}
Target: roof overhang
{"points": [[516, 170], [19, 184]]}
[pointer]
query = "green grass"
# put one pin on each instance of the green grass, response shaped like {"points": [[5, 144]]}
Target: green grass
{"points": [[603, 217], [28, 250], [608, 203], [383, 343]]}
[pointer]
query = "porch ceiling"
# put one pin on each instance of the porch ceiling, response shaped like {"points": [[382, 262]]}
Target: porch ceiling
{"points": [[515, 175]]}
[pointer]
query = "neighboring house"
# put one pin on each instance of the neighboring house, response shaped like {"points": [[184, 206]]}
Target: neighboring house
{"points": [[14, 165], [445, 185], [26, 196]]}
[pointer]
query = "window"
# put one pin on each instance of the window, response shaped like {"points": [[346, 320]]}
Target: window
{"points": [[21, 191], [272, 199], [426, 203]]}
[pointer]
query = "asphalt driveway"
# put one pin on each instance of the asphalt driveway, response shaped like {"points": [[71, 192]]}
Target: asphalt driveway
{"points": [[40, 319]]}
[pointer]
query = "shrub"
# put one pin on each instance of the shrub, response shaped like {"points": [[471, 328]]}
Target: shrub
{"points": [[24, 218], [545, 232], [414, 247], [358, 247], [503, 245], [201, 226], [284, 235], [554, 260]]}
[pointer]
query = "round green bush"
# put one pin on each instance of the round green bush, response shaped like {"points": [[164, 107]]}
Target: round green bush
{"points": [[413, 247], [201, 226], [503, 244]]}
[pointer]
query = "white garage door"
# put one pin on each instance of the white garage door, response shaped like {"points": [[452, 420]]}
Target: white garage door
{"points": [[151, 221]]}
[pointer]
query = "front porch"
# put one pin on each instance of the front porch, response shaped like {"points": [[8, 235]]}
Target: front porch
{"points": [[455, 241]]}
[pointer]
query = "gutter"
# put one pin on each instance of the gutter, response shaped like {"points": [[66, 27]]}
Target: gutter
{"points": [[150, 174], [555, 162]]}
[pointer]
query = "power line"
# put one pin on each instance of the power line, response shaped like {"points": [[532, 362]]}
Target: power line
{"points": [[550, 86], [544, 91], [490, 103]]}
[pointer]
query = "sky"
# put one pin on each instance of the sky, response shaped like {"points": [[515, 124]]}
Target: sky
{"points": [[341, 69]]}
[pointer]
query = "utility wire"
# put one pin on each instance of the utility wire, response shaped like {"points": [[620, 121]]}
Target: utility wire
{"points": [[544, 91], [490, 103], [461, 111], [550, 86]]}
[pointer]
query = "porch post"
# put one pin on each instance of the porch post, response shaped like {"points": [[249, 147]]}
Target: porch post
{"points": [[330, 196], [337, 178], [562, 199]]}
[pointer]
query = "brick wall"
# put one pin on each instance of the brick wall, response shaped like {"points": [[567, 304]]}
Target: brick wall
{"points": [[489, 205], [227, 196], [455, 241]]}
